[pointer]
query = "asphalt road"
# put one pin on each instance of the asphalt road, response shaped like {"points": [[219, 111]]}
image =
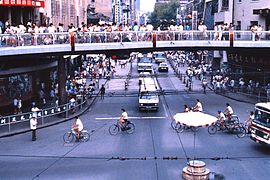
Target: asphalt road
{"points": [[141, 155]]}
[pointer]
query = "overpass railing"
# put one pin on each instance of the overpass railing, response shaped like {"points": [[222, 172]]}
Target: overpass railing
{"points": [[35, 39], [20, 122]]}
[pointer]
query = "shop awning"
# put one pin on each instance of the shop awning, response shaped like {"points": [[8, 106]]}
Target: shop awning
{"points": [[24, 3]]}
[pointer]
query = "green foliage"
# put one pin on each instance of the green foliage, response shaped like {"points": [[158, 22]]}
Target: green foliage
{"points": [[164, 13]]}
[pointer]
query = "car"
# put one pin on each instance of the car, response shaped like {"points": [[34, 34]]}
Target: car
{"points": [[159, 57], [163, 67]]}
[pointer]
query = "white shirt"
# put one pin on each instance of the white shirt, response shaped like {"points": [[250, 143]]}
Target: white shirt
{"points": [[125, 115], [221, 116], [79, 124], [229, 109], [35, 110], [33, 123], [199, 106]]}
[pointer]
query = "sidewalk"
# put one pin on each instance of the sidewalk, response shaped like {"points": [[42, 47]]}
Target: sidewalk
{"points": [[197, 86]]}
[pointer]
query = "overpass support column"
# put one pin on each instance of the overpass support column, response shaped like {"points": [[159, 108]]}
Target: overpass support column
{"points": [[62, 74]]}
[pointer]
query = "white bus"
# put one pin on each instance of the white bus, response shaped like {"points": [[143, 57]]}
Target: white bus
{"points": [[148, 94], [260, 126]]}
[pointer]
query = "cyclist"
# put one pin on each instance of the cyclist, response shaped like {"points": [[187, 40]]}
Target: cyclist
{"points": [[186, 108], [228, 111], [198, 106], [221, 118], [123, 118], [250, 119], [77, 127]]}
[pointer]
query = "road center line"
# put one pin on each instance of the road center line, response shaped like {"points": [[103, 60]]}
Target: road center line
{"points": [[113, 118]]}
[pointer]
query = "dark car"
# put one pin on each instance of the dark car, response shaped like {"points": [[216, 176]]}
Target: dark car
{"points": [[163, 67]]}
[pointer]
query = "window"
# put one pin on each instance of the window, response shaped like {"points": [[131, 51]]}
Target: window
{"points": [[238, 25], [225, 5]]}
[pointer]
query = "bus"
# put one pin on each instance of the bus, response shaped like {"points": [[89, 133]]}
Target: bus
{"points": [[260, 126], [148, 94]]}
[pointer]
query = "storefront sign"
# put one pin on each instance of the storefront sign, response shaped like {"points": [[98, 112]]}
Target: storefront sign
{"points": [[30, 3]]}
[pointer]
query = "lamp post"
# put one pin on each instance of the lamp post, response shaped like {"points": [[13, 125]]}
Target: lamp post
{"points": [[77, 13]]}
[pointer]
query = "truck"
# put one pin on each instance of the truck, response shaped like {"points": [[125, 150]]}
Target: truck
{"points": [[145, 63], [260, 126], [148, 94]]}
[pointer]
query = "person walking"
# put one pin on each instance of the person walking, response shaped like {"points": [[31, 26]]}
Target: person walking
{"points": [[33, 127], [102, 91]]}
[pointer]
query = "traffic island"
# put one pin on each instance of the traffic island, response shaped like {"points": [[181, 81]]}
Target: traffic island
{"points": [[195, 170]]}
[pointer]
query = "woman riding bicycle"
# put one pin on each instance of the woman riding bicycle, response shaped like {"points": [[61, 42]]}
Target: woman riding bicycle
{"points": [[228, 111]]}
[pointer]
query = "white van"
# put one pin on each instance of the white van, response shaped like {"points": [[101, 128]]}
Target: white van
{"points": [[148, 94]]}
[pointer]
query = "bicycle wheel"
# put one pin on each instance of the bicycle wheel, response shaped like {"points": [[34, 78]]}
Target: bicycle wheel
{"points": [[174, 124], [194, 129], [130, 128], [241, 132], [212, 129], [68, 137], [179, 128], [85, 136], [114, 129]]}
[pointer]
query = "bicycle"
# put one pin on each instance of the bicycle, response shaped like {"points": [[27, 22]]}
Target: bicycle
{"points": [[71, 135], [178, 127], [232, 126], [245, 129], [129, 128]]}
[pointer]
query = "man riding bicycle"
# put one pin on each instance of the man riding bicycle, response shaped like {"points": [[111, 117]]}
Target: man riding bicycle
{"points": [[123, 118], [77, 127], [198, 106], [228, 111]]}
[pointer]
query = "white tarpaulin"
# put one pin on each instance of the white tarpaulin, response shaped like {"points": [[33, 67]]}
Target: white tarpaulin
{"points": [[195, 119]]}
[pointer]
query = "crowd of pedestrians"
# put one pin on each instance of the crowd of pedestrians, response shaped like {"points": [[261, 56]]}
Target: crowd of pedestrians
{"points": [[50, 34]]}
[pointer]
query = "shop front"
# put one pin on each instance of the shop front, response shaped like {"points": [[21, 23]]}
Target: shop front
{"points": [[25, 83]]}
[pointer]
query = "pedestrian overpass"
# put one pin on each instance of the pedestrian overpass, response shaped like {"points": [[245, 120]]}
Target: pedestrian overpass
{"points": [[128, 41]]}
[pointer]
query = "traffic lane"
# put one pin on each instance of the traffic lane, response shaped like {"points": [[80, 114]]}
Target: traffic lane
{"points": [[49, 142]]}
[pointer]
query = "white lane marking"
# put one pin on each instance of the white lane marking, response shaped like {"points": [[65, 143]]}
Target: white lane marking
{"points": [[165, 109], [113, 118]]}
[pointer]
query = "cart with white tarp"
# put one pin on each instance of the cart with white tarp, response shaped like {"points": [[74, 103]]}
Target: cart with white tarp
{"points": [[192, 120], [195, 170]]}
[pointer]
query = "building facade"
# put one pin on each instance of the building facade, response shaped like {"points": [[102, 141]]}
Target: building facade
{"points": [[14, 12], [43, 12], [124, 11], [248, 13]]}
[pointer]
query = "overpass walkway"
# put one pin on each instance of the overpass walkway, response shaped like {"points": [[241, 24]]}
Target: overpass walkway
{"points": [[96, 42]]}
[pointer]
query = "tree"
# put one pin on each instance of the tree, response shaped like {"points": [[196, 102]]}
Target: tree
{"points": [[164, 13]]}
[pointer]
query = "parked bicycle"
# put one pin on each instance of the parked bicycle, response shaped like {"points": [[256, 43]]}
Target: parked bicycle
{"points": [[71, 135], [129, 128]]}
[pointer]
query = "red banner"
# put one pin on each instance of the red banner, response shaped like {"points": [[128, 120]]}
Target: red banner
{"points": [[30, 3]]}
